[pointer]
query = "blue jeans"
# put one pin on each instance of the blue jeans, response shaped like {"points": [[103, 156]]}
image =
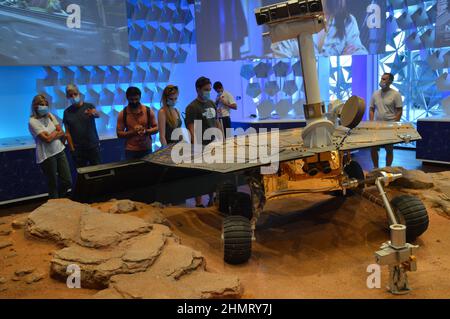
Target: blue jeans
{"points": [[54, 168]]}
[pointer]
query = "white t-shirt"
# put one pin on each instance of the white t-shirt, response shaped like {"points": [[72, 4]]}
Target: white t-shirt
{"points": [[38, 126], [386, 104], [222, 109]]}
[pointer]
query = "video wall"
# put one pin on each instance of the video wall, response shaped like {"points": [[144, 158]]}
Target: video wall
{"points": [[227, 30], [63, 32]]}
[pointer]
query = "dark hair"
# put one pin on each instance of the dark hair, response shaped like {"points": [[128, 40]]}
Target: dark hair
{"points": [[338, 10], [218, 85], [201, 82], [133, 91], [391, 76]]}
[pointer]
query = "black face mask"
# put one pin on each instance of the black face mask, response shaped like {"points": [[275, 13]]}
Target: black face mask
{"points": [[134, 105]]}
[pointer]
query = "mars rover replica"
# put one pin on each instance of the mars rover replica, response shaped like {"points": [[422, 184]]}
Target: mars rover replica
{"points": [[316, 158]]}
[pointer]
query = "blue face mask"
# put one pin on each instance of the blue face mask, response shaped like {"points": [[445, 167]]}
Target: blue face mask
{"points": [[206, 95], [42, 110], [75, 100], [171, 103]]}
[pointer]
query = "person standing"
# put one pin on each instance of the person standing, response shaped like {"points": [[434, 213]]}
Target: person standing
{"points": [[202, 112], [168, 116], [50, 154], [224, 102], [385, 105], [136, 124], [81, 132]]}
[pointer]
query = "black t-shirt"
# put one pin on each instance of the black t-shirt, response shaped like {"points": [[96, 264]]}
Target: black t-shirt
{"points": [[81, 126], [202, 111]]}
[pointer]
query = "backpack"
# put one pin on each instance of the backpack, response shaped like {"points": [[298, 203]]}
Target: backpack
{"points": [[125, 118]]}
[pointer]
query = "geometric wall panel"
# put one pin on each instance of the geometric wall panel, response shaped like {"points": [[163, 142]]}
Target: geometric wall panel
{"points": [[110, 76], [443, 83], [290, 87], [297, 68], [82, 76], [283, 107], [428, 38], [106, 97], [404, 21], [253, 90], [247, 71], [119, 97], [262, 70], [420, 70], [265, 109], [397, 4], [281, 69], [420, 18], [271, 88]]}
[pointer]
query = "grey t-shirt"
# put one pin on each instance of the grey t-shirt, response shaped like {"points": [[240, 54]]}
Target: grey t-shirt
{"points": [[385, 104], [205, 112]]}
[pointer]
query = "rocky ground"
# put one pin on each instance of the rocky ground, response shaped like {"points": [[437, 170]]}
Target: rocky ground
{"points": [[314, 247]]}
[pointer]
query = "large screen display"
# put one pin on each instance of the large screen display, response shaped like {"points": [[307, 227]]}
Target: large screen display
{"points": [[443, 24], [63, 32], [227, 30]]}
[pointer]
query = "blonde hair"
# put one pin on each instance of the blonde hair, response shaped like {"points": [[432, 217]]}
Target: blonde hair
{"points": [[37, 100], [169, 90]]}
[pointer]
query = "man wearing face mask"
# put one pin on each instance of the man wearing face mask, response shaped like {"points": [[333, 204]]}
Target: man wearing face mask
{"points": [[385, 105], [81, 132], [201, 115], [136, 123], [224, 101]]}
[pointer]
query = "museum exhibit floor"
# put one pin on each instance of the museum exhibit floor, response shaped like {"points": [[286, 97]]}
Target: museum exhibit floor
{"points": [[316, 246]]}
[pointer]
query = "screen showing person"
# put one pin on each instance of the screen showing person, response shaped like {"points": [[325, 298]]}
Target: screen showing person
{"points": [[443, 24], [63, 32], [354, 27]]}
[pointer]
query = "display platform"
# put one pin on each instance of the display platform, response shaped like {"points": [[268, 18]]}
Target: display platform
{"points": [[434, 146], [22, 178]]}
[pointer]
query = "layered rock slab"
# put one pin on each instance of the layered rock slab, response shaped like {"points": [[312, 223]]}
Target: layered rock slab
{"points": [[178, 273], [125, 254]]}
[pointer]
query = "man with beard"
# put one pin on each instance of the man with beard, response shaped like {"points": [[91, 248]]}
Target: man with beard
{"points": [[136, 123]]}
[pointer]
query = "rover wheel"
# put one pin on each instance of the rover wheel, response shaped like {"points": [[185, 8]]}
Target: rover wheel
{"points": [[411, 212], [225, 193], [237, 240], [241, 205], [354, 170]]}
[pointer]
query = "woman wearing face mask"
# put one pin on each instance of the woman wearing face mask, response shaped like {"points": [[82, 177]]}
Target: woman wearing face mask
{"points": [[50, 153], [168, 116]]}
